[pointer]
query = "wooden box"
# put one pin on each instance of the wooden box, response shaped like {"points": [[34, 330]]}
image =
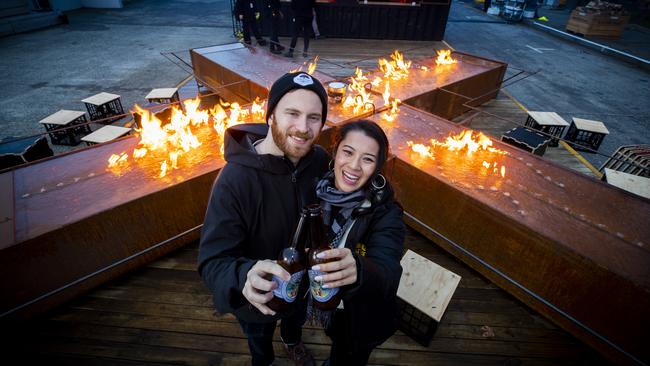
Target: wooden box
{"points": [[593, 24], [424, 292]]}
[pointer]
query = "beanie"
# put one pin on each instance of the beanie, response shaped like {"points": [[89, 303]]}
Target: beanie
{"points": [[292, 81]]}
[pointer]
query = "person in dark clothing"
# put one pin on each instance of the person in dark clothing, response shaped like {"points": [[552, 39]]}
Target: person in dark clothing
{"points": [[247, 12], [303, 11], [367, 232], [270, 174], [275, 16]]}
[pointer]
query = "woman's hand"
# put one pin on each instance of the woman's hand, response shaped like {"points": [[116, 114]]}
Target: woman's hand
{"points": [[340, 272]]}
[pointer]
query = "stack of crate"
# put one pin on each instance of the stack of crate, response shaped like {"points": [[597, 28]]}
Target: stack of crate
{"points": [[597, 21]]}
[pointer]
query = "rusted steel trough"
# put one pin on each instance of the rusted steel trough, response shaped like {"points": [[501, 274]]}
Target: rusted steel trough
{"points": [[572, 248], [70, 218]]}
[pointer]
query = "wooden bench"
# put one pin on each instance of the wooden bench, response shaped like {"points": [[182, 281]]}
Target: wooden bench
{"points": [[105, 134]]}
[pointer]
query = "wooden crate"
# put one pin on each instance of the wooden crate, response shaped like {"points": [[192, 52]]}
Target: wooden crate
{"points": [[424, 292], [596, 24]]}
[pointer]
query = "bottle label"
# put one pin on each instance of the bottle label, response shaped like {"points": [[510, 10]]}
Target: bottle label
{"points": [[319, 293], [288, 290]]}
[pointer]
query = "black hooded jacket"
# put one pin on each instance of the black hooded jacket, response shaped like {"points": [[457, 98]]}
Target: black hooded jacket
{"points": [[253, 209], [377, 240]]}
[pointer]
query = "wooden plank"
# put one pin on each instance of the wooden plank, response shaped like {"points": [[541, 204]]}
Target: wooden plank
{"points": [[101, 98], [426, 285]]}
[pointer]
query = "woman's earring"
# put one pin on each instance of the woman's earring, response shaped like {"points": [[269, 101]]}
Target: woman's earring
{"points": [[331, 164], [379, 182]]}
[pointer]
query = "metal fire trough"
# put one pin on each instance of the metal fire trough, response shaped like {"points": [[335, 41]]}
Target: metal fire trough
{"points": [[572, 248]]}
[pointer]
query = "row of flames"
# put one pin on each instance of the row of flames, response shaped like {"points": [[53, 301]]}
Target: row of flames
{"points": [[360, 99], [169, 142], [465, 141]]}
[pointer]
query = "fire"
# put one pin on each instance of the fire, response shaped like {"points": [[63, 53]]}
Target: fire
{"points": [[392, 113], [359, 98], [464, 141], [444, 58], [169, 142], [397, 68], [312, 66]]}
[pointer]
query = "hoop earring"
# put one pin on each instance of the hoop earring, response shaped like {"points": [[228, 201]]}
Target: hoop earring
{"points": [[331, 164], [377, 185]]}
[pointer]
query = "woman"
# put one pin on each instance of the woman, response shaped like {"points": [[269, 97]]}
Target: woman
{"points": [[367, 232]]}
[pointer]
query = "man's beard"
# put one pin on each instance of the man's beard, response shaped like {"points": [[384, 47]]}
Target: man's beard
{"points": [[281, 140]]}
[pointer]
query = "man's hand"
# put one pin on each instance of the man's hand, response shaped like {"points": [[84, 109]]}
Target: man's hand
{"points": [[339, 273], [241, 16], [257, 15], [257, 289]]}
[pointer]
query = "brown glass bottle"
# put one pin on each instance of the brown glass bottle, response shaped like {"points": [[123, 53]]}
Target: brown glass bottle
{"points": [[293, 260], [324, 298]]}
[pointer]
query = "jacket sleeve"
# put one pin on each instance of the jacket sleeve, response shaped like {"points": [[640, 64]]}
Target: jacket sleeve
{"points": [[221, 261], [379, 271], [240, 7]]}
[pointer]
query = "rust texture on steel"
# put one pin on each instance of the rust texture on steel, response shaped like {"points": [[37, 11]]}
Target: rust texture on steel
{"points": [[72, 216], [221, 65], [575, 242]]}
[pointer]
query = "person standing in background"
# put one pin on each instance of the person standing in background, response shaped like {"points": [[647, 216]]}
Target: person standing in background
{"points": [[276, 15], [247, 12], [303, 14]]}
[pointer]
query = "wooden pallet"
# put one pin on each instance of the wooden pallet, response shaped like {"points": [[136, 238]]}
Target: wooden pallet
{"points": [[596, 25]]}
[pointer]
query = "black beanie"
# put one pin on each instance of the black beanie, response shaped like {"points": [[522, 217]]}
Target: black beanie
{"points": [[292, 81]]}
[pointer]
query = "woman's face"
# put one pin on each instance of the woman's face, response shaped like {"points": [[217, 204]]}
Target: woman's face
{"points": [[355, 161]]}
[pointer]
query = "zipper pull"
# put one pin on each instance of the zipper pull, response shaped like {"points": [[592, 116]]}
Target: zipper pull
{"points": [[293, 177]]}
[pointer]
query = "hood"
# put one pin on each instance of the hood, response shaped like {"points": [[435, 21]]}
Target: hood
{"points": [[238, 148]]}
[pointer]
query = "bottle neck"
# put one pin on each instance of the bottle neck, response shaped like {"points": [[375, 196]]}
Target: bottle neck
{"points": [[317, 231], [298, 241]]}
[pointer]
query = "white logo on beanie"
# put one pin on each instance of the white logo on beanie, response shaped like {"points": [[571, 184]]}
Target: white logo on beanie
{"points": [[303, 79]]}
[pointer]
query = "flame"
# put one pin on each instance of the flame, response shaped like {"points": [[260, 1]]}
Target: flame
{"points": [[386, 93], [444, 58], [424, 68], [169, 142], [464, 141], [423, 150], [116, 160], [257, 110], [312, 66], [392, 113], [397, 68], [359, 98]]}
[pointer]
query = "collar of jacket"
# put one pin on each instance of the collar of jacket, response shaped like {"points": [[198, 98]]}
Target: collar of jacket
{"points": [[238, 148]]}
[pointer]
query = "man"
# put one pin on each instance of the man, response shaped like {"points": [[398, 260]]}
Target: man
{"points": [[270, 174], [303, 11], [246, 11]]}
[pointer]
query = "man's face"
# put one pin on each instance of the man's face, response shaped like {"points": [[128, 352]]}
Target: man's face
{"points": [[296, 123]]}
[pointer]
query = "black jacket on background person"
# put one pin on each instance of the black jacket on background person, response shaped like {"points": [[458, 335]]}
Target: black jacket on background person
{"points": [[247, 8], [303, 8], [273, 5], [253, 210], [377, 240]]}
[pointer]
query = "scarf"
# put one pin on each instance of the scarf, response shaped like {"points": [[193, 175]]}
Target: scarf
{"points": [[338, 204]]}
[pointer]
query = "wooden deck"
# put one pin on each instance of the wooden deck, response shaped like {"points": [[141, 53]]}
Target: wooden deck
{"points": [[162, 314]]}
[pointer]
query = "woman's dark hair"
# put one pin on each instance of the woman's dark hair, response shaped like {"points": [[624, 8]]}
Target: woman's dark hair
{"points": [[370, 129]]}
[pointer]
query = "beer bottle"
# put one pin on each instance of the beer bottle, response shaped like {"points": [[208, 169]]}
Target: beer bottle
{"points": [[324, 298], [292, 259]]}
